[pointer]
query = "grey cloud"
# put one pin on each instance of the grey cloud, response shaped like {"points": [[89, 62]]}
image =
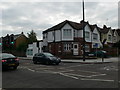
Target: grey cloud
{"points": [[39, 14]]}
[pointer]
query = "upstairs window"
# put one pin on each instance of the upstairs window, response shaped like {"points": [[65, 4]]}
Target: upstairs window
{"points": [[87, 35], [110, 37], [67, 33], [95, 36]]}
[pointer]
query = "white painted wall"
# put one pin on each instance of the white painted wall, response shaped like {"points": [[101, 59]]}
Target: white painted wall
{"points": [[109, 33], [80, 33], [114, 39], [50, 36], [98, 40], [33, 49], [87, 29], [57, 35]]}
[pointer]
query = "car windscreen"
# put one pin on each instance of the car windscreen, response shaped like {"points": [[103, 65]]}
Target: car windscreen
{"points": [[48, 54], [8, 56]]}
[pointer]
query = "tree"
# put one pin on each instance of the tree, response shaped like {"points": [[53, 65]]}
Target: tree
{"points": [[32, 37]]}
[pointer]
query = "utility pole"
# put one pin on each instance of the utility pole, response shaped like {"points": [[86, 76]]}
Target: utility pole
{"points": [[54, 43], [83, 33]]}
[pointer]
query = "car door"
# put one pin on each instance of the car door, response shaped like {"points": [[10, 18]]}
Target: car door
{"points": [[40, 57]]}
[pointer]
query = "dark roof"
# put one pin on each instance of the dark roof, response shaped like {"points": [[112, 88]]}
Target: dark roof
{"points": [[15, 36], [113, 30], [105, 29], [77, 26], [118, 31], [93, 27]]}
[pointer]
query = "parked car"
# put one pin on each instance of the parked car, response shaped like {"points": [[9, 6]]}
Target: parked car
{"points": [[9, 60], [46, 58], [100, 53]]}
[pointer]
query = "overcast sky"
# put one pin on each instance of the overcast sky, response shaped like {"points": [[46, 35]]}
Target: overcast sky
{"points": [[39, 16]]}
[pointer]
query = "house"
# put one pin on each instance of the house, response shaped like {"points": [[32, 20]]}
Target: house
{"points": [[34, 48], [19, 39], [13, 40], [66, 38], [96, 43], [115, 36], [106, 34]]}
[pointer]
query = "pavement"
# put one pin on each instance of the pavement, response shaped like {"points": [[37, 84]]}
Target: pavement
{"points": [[87, 61]]}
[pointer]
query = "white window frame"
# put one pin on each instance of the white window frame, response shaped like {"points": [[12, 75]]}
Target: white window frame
{"points": [[110, 37], [67, 33], [67, 47], [87, 34], [95, 36]]}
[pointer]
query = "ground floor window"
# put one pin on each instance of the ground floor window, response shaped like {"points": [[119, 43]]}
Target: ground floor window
{"points": [[29, 51], [67, 47], [95, 45]]}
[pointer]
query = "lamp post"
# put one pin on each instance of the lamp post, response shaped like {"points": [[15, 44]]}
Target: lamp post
{"points": [[54, 43], [83, 33]]}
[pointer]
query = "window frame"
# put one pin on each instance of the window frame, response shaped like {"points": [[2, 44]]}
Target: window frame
{"points": [[95, 36], [67, 33]]}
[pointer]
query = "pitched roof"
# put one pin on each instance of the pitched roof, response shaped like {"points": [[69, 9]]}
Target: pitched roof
{"points": [[118, 31], [113, 31], [77, 26], [15, 36], [93, 27], [105, 29]]}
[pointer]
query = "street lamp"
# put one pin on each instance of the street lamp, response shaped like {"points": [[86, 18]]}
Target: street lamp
{"points": [[83, 34]]}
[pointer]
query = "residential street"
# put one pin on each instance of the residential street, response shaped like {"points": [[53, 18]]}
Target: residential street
{"points": [[65, 75]]}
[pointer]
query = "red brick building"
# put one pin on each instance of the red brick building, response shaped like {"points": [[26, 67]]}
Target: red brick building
{"points": [[66, 38]]}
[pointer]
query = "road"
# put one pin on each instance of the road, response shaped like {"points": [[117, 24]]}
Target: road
{"points": [[65, 75]]}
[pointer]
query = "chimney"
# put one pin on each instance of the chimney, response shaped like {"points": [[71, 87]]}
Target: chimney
{"points": [[104, 26], [22, 33]]}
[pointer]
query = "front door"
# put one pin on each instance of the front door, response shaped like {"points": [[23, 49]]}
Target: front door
{"points": [[75, 49]]}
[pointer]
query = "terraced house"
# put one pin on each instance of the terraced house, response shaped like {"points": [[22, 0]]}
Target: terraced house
{"points": [[107, 33], [66, 38]]}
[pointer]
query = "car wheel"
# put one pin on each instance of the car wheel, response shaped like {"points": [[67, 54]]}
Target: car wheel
{"points": [[35, 62]]}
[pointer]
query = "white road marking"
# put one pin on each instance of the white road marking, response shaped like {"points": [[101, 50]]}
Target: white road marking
{"points": [[27, 69], [31, 70], [84, 75], [74, 66], [97, 75], [68, 76], [88, 71], [98, 80]]}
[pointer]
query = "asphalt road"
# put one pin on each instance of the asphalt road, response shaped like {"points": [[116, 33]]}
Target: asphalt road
{"points": [[65, 75]]}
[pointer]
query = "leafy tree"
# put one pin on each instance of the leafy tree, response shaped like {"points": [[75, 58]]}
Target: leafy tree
{"points": [[32, 37]]}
